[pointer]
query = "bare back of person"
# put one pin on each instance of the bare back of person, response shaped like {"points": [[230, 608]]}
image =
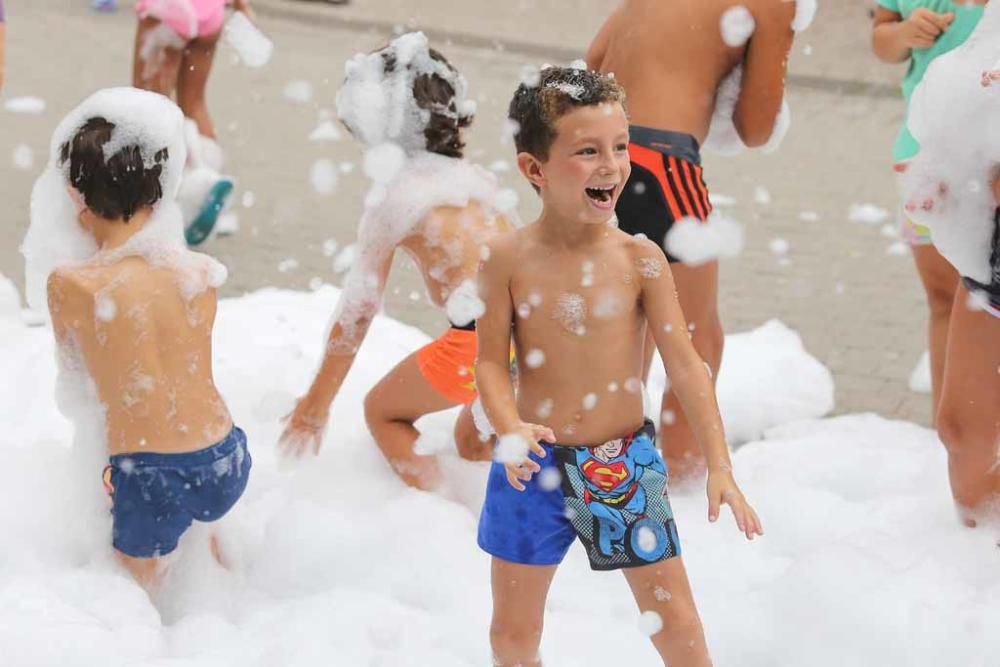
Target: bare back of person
{"points": [[447, 244], [578, 304], [670, 58], [148, 351]]}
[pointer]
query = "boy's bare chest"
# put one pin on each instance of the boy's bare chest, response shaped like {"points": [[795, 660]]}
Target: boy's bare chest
{"points": [[575, 298]]}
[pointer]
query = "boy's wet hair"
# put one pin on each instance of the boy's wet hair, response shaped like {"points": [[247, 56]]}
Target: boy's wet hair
{"points": [[117, 187], [436, 95], [536, 108]]}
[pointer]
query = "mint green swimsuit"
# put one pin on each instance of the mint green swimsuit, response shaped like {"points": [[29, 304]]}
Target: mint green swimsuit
{"points": [[966, 19]]}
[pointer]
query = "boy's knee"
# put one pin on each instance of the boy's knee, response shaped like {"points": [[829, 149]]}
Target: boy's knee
{"points": [[939, 302], [374, 407], [515, 644], [972, 455]]}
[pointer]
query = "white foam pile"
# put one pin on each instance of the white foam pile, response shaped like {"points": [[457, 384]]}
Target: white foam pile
{"points": [[861, 540]]}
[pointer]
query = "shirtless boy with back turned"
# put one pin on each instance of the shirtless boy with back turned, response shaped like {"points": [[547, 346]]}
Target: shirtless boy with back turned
{"points": [[137, 319]]}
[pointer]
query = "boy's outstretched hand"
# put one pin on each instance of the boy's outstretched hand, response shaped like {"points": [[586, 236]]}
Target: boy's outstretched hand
{"points": [[722, 488], [513, 448], [304, 427]]}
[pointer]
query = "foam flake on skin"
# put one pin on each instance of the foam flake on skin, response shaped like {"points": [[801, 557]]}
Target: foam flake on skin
{"points": [[104, 308], [544, 410], [649, 268], [736, 25], [571, 312], [589, 401], [650, 623]]}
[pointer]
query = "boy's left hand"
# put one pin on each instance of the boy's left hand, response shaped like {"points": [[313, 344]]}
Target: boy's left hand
{"points": [[722, 488]]}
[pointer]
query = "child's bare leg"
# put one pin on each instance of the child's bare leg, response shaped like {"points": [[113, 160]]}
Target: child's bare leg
{"points": [[157, 69], [940, 282], [391, 408], [697, 290], [193, 81], [519, 593], [663, 588], [968, 419], [467, 441], [148, 572]]}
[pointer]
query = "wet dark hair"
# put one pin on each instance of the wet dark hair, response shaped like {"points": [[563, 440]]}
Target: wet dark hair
{"points": [[436, 95], [116, 188], [536, 108]]}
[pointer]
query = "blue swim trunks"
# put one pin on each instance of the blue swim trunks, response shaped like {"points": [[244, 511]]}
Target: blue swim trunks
{"points": [[611, 497], [156, 496]]}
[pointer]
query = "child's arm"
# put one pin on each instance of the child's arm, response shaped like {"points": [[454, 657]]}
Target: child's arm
{"points": [[357, 307], [496, 390], [689, 379], [893, 38], [763, 86]]}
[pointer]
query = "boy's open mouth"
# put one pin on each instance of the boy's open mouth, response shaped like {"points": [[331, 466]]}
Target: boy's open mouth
{"points": [[601, 195]]}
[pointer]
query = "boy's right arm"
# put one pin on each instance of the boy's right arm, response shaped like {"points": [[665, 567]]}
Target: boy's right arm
{"points": [[496, 390], [763, 86], [356, 309], [893, 38]]}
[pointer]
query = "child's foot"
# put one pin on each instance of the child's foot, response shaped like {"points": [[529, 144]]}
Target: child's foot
{"points": [[204, 222], [104, 5], [990, 77]]}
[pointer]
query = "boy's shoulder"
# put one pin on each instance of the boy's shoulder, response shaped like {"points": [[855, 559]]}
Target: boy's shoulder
{"points": [[637, 247]]}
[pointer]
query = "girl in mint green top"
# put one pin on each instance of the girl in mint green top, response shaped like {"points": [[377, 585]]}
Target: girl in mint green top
{"points": [[966, 18]]}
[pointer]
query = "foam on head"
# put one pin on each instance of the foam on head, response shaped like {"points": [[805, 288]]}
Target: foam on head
{"points": [[377, 103], [141, 118], [535, 108]]}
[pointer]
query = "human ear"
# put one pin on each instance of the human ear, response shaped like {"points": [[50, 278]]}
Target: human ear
{"points": [[531, 168]]}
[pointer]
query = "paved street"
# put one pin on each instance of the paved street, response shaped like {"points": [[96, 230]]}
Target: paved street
{"points": [[848, 287]]}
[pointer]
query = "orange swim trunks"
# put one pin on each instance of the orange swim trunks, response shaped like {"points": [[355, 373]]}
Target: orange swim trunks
{"points": [[449, 364]]}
